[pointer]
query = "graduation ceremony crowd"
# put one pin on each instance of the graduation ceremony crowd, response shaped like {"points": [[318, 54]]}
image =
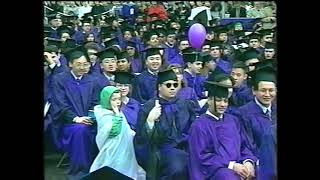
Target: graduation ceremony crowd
{"points": [[125, 91]]}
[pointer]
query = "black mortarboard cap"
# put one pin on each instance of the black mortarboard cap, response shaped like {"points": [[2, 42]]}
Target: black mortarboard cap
{"points": [[201, 18], [123, 77], [107, 53], [253, 36], [153, 51], [105, 173], [265, 32], [131, 44], [251, 53], [206, 57], [86, 20], [192, 57], [162, 31], [216, 89], [240, 64], [270, 45], [215, 43], [189, 50], [122, 55], [128, 28], [64, 29], [51, 48], [147, 35], [67, 45], [55, 42], [166, 76], [75, 53], [110, 19], [111, 42], [221, 29], [171, 31], [263, 72]]}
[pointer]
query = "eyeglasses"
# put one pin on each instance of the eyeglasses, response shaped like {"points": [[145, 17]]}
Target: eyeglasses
{"points": [[169, 85]]}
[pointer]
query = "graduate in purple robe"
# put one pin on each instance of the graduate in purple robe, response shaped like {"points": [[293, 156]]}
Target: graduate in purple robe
{"points": [[222, 66], [92, 49], [218, 144], [162, 131], [192, 75], [171, 51], [79, 36], [254, 41], [74, 94], [145, 86], [136, 63], [54, 23], [242, 94], [130, 107], [260, 120], [108, 66]]}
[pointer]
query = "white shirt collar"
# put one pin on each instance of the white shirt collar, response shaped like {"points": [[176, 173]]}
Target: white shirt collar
{"points": [[75, 77], [214, 116], [264, 109], [188, 71], [110, 78], [153, 73]]}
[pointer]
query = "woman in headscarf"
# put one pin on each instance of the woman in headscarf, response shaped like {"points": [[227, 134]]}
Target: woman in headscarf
{"points": [[114, 137]]}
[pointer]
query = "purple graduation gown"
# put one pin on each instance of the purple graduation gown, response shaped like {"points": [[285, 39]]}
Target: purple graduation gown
{"points": [[162, 150], [95, 70], [213, 144], [172, 55], [224, 67], [145, 87], [136, 64], [102, 81], [262, 134], [187, 93], [79, 36], [74, 98], [131, 110], [241, 95], [195, 82]]}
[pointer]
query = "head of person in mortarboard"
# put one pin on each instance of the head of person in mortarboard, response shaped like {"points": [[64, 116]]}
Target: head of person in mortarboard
{"points": [[54, 20], [269, 50], [171, 37], [209, 63], [86, 24], [107, 33], [216, 48], [92, 50], [65, 32], [162, 34], [206, 46], [222, 33], [239, 73], [131, 49], [266, 35], [79, 62], [210, 33], [55, 42], [50, 54], [123, 62], [193, 61], [168, 84], [151, 38], [128, 33], [108, 60], [183, 42], [154, 58], [218, 98], [112, 42], [124, 81], [89, 37], [67, 45], [263, 81], [254, 40], [250, 57]]}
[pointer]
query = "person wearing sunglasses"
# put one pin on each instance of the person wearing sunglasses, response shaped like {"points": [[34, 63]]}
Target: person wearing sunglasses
{"points": [[217, 142], [162, 131]]}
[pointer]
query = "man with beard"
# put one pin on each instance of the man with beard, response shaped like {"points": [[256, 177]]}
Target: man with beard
{"points": [[145, 87], [162, 131]]}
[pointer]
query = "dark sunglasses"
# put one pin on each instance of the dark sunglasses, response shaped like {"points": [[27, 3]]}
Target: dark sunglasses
{"points": [[169, 85]]}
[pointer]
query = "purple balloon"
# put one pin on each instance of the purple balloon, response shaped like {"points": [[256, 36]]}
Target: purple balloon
{"points": [[197, 35]]}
